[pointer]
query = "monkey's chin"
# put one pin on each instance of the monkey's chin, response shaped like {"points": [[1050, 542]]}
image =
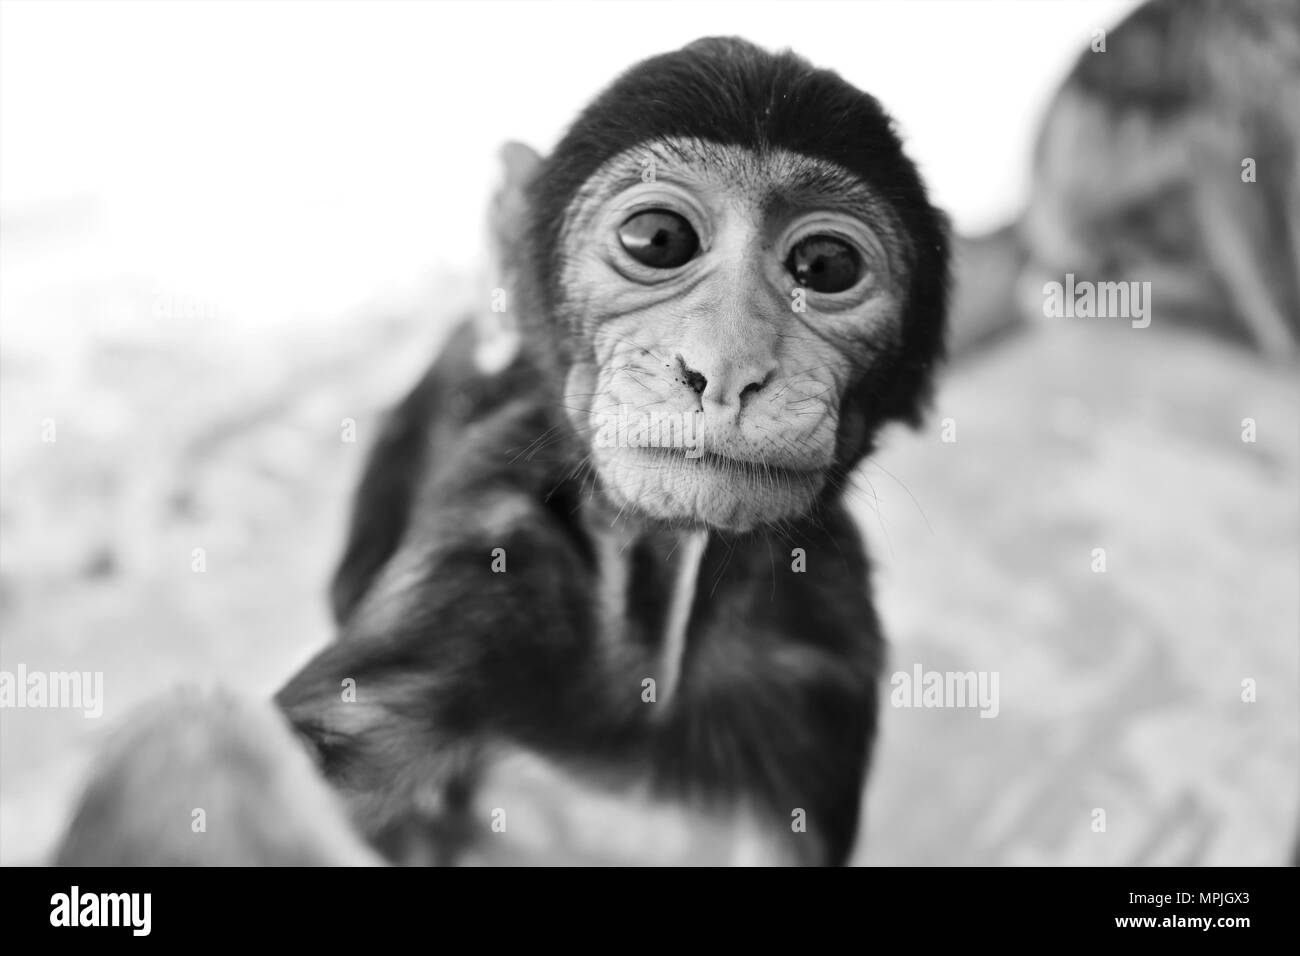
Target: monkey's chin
{"points": [[710, 490]]}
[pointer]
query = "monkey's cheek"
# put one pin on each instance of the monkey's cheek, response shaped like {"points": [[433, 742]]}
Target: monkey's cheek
{"points": [[698, 492]]}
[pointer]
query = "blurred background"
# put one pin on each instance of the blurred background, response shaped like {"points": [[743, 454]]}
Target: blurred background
{"points": [[225, 228]]}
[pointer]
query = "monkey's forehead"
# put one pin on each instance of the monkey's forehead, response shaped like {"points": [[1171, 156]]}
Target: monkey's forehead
{"points": [[762, 178]]}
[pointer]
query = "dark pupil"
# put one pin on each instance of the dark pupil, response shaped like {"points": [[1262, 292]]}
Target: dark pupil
{"points": [[659, 239], [824, 264]]}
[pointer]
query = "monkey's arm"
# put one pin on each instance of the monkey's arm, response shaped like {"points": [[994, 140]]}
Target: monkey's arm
{"points": [[477, 627], [382, 504]]}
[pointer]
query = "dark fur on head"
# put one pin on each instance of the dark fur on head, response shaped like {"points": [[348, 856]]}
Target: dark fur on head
{"points": [[731, 92]]}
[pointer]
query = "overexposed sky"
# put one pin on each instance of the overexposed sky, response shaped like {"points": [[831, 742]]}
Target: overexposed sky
{"points": [[299, 157]]}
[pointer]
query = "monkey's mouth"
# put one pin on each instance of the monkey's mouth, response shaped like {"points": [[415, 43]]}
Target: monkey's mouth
{"points": [[708, 488], [729, 463]]}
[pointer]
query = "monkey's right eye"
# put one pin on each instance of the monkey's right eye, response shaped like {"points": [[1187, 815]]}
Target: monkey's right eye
{"points": [[659, 239]]}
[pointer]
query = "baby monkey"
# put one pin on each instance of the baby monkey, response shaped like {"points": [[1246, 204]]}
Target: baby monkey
{"points": [[602, 599]]}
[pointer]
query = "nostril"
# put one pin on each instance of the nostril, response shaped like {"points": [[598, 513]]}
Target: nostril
{"points": [[693, 379], [754, 387]]}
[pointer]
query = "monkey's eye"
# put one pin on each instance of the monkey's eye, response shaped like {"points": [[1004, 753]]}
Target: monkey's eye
{"points": [[824, 264], [659, 239]]}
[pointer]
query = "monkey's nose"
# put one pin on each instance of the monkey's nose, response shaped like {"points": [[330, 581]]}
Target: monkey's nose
{"points": [[731, 382], [695, 381]]}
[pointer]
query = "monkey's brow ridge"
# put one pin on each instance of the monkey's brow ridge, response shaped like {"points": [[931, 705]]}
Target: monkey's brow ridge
{"points": [[771, 176]]}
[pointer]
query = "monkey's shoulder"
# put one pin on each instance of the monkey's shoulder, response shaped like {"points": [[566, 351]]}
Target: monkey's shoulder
{"points": [[455, 451], [457, 393]]}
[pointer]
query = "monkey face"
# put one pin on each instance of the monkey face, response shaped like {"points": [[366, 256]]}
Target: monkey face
{"points": [[742, 278], [729, 303]]}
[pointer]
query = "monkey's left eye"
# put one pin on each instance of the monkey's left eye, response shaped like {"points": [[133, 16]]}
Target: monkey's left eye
{"points": [[824, 264], [659, 239]]}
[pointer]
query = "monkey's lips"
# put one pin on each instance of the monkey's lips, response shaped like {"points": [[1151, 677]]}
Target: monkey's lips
{"points": [[712, 488], [730, 463]]}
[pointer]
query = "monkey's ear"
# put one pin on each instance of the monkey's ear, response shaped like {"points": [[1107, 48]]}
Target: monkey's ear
{"points": [[497, 331], [508, 216], [519, 159]]}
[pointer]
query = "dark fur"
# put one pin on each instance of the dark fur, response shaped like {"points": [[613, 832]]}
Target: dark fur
{"points": [[778, 695]]}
